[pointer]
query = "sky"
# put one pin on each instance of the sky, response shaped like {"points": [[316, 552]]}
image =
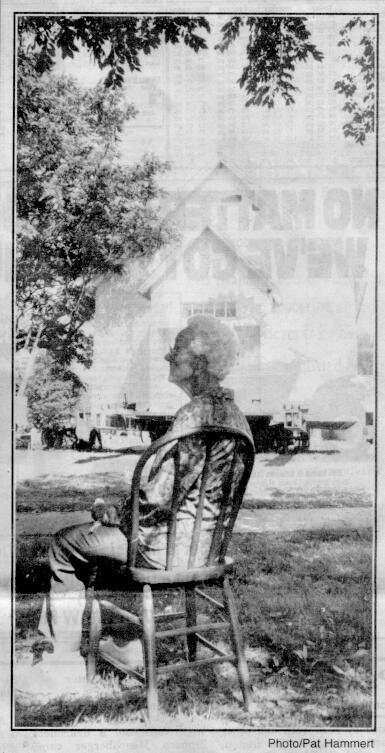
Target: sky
{"points": [[191, 111]]}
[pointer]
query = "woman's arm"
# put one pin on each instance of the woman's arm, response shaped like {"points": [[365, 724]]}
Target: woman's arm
{"points": [[156, 492], [158, 489]]}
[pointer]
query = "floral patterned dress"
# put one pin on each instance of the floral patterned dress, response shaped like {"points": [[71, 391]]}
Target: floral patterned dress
{"points": [[215, 408]]}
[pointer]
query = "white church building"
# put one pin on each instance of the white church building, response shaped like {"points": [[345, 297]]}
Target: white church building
{"points": [[287, 265]]}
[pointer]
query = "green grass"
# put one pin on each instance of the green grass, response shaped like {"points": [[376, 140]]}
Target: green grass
{"points": [[305, 609], [43, 496]]}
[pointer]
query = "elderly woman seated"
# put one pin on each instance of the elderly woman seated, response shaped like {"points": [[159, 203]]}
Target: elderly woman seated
{"points": [[203, 354]]}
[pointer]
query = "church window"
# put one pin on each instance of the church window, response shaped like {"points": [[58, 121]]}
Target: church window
{"points": [[233, 199], [221, 309]]}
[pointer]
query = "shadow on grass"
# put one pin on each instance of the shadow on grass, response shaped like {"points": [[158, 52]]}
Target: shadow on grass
{"points": [[323, 452], [137, 450], [279, 460], [94, 458], [286, 457]]}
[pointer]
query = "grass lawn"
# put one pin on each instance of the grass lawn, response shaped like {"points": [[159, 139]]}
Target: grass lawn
{"points": [[42, 496], [305, 603]]}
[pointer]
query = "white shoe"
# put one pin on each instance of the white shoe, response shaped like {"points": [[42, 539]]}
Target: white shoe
{"points": [[51, 678], [128, 657]]}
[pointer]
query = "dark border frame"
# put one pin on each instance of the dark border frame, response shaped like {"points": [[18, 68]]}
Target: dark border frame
{"points": [[325, 730]]}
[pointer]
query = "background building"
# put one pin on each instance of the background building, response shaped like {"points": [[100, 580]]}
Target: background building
{"points": [[286, 263], [276, 216]]}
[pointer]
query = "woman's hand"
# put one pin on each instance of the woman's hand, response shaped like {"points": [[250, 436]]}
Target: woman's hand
{"points": [[105, 514]]}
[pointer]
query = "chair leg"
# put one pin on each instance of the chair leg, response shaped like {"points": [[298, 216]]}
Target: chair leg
{"points": [[191, 620], [242, 669], [95, 630], [149, 652]]}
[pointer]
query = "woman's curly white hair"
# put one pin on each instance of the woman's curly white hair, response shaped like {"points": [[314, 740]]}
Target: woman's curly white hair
{"points": [[214, 340]]}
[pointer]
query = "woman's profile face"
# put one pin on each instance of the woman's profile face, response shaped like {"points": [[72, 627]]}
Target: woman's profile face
{"points": [[180, 359]]}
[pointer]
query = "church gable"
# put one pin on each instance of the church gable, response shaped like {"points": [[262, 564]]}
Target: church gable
{"points": [[224, 181], [220, 192], [206, 259]]}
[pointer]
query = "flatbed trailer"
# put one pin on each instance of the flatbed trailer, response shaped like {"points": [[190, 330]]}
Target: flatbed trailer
{"points": [[156, 424], [125, 429], [337, 425], [282, 437]]}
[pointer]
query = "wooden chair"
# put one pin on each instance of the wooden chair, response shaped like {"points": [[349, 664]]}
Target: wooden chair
{"points": [[192, 579]]}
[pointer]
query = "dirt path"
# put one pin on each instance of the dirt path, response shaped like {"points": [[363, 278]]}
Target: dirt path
{"points": [[248, 520], [306, 519]]}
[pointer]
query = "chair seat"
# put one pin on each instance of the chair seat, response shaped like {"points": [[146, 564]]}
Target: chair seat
{"points": [[176, 575]]}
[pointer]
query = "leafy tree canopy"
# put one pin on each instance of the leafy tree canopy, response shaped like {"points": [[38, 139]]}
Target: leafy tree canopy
{"points": [[357, 85], [113, 40], [276, 44], [52, 393], [81, 214]]}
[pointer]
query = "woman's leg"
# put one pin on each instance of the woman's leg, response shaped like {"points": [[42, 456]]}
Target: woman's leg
{"points": [[73, 553]]}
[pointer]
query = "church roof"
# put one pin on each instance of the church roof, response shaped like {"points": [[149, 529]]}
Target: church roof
{"points": [[200, 178], [260, 202], [161, 268]]}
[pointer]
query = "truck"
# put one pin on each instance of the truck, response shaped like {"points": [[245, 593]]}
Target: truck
{"points": [[120, 428], [115, 428]]}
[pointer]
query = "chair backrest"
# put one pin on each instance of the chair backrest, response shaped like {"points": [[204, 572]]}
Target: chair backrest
{"points": [[226, 464]]}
